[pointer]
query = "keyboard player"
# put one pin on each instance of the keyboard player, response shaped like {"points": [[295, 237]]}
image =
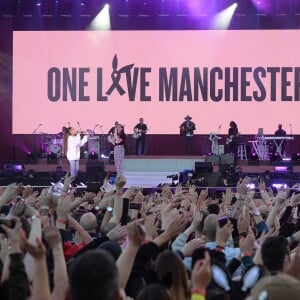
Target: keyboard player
{"points": [[280, 132]]}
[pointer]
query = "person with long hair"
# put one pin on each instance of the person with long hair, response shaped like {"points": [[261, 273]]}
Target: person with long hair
{"points": [[169, 262], [71, 147], [118, 139], [232, 140]]}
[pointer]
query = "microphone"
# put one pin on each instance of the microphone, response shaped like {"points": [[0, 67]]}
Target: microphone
{"points": [[97, 125], [220, 126], [40, 124]]}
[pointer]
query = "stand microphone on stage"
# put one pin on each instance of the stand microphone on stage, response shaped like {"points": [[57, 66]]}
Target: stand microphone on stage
{"points": [[34, 131], [79, 126]]}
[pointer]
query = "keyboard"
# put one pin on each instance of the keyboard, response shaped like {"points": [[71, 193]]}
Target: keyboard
{"points": [[278, 138]]}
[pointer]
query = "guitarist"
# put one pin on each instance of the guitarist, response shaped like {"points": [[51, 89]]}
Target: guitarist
{"points": [[187, 130], [139, 133], [232, 140]]}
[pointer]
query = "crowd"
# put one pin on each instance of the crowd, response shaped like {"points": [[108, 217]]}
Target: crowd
{"points": [[174, 244]]}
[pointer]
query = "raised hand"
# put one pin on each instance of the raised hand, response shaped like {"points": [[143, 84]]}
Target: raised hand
{"points": [[201, 274], [243, 221], [67, 181], [28, 190], [13, 234], [136, 235], [150, 227], [175, 225], [247, 244], [223, 234], [52, 234], [37, 251], [241, 187], [117, 234], [130, 193], [17, 209], [32, 199], [8, 194], [227, 197], [121, 181], [191, 246]]}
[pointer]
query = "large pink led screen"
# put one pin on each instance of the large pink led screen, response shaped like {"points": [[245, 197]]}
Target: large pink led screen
{"points": [[90, 78]]}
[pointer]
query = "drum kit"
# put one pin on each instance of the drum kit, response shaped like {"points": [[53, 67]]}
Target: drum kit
{"points": [[52, 143]]}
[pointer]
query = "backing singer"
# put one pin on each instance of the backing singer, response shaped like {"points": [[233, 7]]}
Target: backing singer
{"points": [[118, 141]]}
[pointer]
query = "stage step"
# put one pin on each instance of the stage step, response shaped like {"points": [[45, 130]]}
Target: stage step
{"points": [[147, 179]]}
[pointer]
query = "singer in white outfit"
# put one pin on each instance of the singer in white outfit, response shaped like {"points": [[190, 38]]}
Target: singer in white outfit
{"points": [[72, 144]]}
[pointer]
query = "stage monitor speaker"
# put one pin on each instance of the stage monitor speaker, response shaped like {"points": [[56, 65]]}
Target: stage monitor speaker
{"points": [[93, 187], [212, 179], [214, 159], [203, 167], [94, 166], [95, 171], [227, 159]]}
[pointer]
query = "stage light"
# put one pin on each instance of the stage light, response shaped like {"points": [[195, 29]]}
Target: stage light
{"points": [[51, 158], [222, 19], [102, 20], [253, 161], [93, 156], [279, 185], [274, 157], [31, 158]]}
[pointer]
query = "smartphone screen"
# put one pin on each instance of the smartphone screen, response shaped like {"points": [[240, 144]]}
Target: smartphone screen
{"points": [[135, 205]]}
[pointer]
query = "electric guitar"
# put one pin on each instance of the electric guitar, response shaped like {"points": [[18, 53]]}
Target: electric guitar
{"points": [[231, 138]]}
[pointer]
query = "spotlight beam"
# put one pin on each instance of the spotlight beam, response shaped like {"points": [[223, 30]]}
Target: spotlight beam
{"points": [[102, 20], [222, 20]]}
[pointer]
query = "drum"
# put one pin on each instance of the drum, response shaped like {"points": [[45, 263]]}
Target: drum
{"points": [[57, 141], [55, 149]]}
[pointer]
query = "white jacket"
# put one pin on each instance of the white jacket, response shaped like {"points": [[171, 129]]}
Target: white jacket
{"points": [[74, 144]]}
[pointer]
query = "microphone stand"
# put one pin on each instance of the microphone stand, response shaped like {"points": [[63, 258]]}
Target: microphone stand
{"points": [[291, 135], [79, 127], [35, 130], [41, 141], [102, 141]]}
